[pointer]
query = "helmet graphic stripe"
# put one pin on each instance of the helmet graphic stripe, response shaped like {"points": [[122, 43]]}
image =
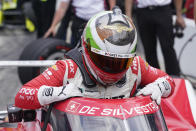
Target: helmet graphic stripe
{"points": [[90, 28]]}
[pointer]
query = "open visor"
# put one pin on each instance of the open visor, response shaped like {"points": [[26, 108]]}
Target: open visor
{"points": [[110, 63]]}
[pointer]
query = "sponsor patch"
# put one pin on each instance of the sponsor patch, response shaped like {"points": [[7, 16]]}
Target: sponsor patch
{"points": [[135, 65], [109, 54], [54, 67], [45, 75], [146, 65], [48, 91], [49, 73], [71, 66], [28, 91]]}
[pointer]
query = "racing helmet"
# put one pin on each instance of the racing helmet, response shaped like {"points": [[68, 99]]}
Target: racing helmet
{"points": [[109, 45]]}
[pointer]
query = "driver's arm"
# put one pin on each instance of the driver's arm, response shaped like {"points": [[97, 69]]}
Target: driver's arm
{"points": [[45, 88], [149, 74], [155, 82]]}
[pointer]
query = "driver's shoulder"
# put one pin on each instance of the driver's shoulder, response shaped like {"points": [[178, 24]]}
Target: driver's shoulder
{"points": [[67, 64], [138, 64]]}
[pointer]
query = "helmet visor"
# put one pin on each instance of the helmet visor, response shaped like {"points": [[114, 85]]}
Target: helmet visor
{"points": [[110, 64]]}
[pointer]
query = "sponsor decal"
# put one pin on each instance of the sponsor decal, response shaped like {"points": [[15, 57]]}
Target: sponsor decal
{"points": [[126, 109], [49, 73], [62, 93], [109, 54], [54, 67], [48, 91], [116, 55], [146, 65], [134, 64], [46, 75], [28, 91], [118, 28], [29, 98], [88, 110], [21, 97], [95, 50], [71, 65]]}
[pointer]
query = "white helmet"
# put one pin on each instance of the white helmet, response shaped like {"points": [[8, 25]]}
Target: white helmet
{"points": [[109, 45]]}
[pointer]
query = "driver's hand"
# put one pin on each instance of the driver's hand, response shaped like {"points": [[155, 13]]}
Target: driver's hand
{"points": [[48, 94], [159, 88]]}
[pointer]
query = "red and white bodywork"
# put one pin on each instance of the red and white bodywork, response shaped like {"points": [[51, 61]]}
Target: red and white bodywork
{"points": [[176, 113]]}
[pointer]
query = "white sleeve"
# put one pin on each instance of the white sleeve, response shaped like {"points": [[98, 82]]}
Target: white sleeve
{"points": [[48, 94]]}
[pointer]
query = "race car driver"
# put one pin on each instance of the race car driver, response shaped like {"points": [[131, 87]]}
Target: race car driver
{"points": [[105, 66]]}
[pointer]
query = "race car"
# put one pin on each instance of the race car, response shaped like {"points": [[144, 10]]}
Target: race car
{"points": [[176, 113]]}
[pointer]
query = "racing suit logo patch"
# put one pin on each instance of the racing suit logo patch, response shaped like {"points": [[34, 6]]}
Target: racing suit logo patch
{"points": [[54, 67], [48, 91]]}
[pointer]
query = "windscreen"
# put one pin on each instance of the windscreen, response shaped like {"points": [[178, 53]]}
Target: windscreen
{"points": [[62, 121]]}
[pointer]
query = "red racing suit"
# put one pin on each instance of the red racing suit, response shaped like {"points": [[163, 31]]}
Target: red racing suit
{"points": [[66, 71]]}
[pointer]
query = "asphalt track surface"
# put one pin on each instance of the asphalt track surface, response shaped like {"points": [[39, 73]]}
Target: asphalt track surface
{"points": [[12, 42]]}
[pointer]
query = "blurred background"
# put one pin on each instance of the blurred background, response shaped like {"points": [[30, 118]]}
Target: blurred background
{"points": [[20, 24], [12, 42]]}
